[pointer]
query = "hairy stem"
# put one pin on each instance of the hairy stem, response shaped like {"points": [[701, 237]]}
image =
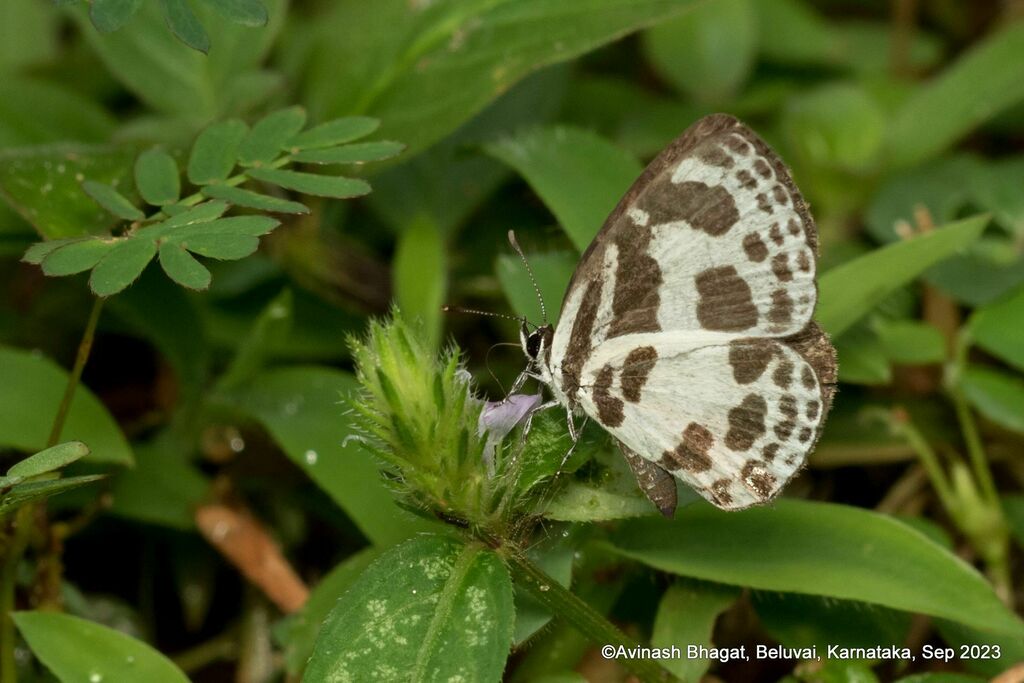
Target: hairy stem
{"points": [[929, 459], [582, 616], [84, 347]]}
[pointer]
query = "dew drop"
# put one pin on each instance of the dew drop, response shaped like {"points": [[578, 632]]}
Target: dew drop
{"points": [[237, 444], [130, 659], [311, 457], [95, 677], [544, 588]]}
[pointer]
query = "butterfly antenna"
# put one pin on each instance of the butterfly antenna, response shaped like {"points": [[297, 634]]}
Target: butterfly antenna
{"points": [[473, 311], [533, 278]]}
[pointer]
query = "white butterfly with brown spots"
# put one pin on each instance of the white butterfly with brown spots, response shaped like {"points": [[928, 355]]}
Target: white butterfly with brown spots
{"points": [[686, 329]]}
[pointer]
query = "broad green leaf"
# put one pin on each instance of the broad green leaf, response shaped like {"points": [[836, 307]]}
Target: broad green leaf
{"points": [[253, 200], [862, 358], [998, 396], [110, 15], [553, 556], [34, 111], [979, 85], [52, 458], [553, 270], [27, 492], [40, 250], [686, 615], [112, 200], [31, 388], [302, 628], [910, 342], [310, 183], [220, 246], [76, 257], [163, 488], [707, 53], [270, 135], [304, 410], [246, 12], [797, 621], [43, 184], [849, 291], [76, 650], [215, 150], [29, 34], [425, 71], [792, 547], [269, 331], [182, 267], [996, 328], [184, 24], [121, 266], [1011, 648], [355, 153], [580, 176], [990, 268], [431, 609], [156, 177], [420, 272], [334, 133], [837, 125]]}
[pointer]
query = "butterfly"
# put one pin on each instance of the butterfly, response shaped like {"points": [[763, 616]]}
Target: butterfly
{"points": [[686, 330]]}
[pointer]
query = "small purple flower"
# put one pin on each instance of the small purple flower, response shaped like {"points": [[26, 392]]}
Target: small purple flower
{"points": [[498, 418]]}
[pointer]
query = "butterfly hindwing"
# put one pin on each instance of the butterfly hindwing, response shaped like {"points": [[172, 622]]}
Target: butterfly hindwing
{"points": [[734, 421]]}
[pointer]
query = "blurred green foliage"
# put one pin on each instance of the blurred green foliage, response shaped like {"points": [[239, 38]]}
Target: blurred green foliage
{"points": [[130, 128]]}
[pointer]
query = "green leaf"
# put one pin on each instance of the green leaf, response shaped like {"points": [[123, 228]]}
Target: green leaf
{"points": [[579, 175], [27, 492], [304, 411], [792, 547], [810, 620], [52, 458], [707, 53], [121, 266], [1013, 505], [110, 15], [910, 342], [40, 250], [29, 35], [303, 627], [200, 213], [268, 332], [35, 111], [77, 257], [31, 388], [164, 488], [253, 200], [234, 226], [996, 328], [997, 395], [245, 12], [686, 615], [425, 73], [334, 133], [309, 183], [849, 291], [270, 135], [862, 358], [75, 650], [182, 267], [43, 184], [1011, 648], [420, 272], [156, 177], [221, 246], [553, 270], [215, 150], [979, 85], [112, 200], [553, 556], [357, 153], [837, 125], [432, 609], [184, 24]]}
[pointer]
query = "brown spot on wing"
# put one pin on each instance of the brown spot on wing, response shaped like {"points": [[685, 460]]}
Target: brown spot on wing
{"points": [[812, 410], [781, 312], [726, 302], [580, 338], [747, 181], [758, 479], [780, 195], [746, 422], [720, 492], [749, 358], [635, 369], [715, 156], [776, 234], [638, 281], [787, 406], [805, 435], [609, 408], [755, 247], [794, 227], [655, 481], [761, 166], [692, 452], [771, 451], [803, 262], [780, 266], [783, 374], [764, 203], [737, 144], [710, 208]]}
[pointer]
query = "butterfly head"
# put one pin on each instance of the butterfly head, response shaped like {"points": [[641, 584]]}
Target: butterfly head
{"points": [[536, 343]]}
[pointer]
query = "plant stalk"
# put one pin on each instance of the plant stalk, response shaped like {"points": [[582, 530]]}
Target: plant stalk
{"points": [[84, 348], [564, 604]]}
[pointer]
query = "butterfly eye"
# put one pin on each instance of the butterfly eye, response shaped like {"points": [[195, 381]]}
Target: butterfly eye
{"points": [[533, 344]]}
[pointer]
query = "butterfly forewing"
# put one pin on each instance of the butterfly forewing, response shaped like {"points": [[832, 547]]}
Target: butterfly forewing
{"points": [[705, 266]]}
